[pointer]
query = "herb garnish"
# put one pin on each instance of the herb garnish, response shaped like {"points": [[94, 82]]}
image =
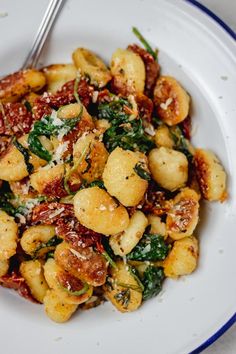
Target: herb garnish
{"points": [[145, 43], [141, 172], [26, 155], [123, 297]]}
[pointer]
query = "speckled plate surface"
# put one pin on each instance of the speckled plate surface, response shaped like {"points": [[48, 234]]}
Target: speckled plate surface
{"points": [[202, 56]]}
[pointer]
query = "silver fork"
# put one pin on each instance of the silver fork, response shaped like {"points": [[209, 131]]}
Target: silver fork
{"points": [[50, 15]]}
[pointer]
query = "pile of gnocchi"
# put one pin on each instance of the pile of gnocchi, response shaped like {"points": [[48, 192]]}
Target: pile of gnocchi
{"points": [[99, 183]]}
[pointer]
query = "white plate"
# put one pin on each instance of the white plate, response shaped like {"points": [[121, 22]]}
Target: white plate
{"points": [[202, 56]]}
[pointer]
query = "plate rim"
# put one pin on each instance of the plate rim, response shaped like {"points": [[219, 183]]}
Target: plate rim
{"points": [[232, 34]]}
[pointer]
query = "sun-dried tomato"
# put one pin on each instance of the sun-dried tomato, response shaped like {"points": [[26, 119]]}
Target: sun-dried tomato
{"points": [[145, 106], [40, 109], [15, 281], [15, 119], [66, 95], [50, 213], [76, 234], [186, 126]]}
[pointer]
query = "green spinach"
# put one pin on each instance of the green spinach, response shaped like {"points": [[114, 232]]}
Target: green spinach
{"points": [[151, 247], [152, 281]]}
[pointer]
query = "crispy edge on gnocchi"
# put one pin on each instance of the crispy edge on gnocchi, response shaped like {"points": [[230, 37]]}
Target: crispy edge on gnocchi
{"points": [[120, 178], [211, 175], [58, 74], [8, 236], [183, 258], [16, 85], [35, 236], [168, 167], [53, 272], [171, 100], [43, 180], [89, 157], [90, 64], [12, 165], [84, 263], [122, 289], [57, 309], [124, 242], [183, 216], [32, 272], [128, 72], [98, 211]]}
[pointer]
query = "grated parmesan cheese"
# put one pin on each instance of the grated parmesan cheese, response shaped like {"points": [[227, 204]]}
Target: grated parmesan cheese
{"points": [[166, 104]]}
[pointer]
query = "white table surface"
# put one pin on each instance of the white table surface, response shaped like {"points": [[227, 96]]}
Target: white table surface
{"points": [[226, 10]]}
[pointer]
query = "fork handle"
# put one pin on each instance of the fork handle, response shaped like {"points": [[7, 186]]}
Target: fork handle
{"points": [[50, 15]]}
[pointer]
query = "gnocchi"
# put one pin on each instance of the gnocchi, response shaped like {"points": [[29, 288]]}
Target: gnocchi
{"points": [[169, 168], [211, 175], [122, 289], [8, 236], [182, 218], [98, 211], [123, 243], [171, 100], [32, 271], [90, 64], [56, 309], [66, 286], [58, 74], [183, 258], [120, 178], [128, 71], [35, 238]]}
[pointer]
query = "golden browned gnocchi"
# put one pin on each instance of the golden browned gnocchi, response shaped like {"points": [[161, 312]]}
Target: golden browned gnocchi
{"points": [[183, 258], [163, 137], [16, 85], [99, 182], [98, 211], [182, 218], [123, 242], [211, 175], [169, 168], [122, 289], [12, 165], [44, 179], [8, 236], [57, 309], [90, 64], [89, 157], [58, 74], [69, 289], [171, 100], [35, 238], [157, 226], [121, 178], [32, 271], [128, 71]]}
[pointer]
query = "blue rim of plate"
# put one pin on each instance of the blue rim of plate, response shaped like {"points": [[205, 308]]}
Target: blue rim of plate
{"points": [[232, 320], [211, 14]]}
